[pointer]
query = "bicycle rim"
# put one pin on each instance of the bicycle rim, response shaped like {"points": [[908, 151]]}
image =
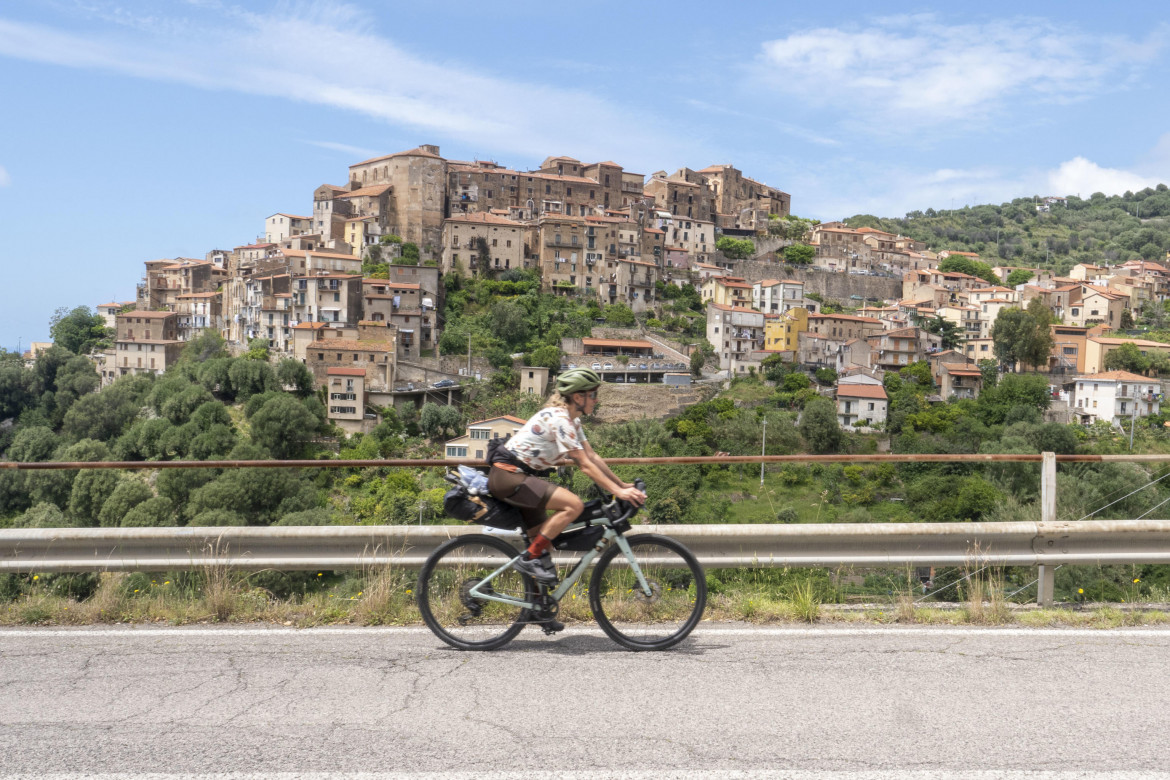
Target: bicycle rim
{"points": [[657, 621], [448, 608]]}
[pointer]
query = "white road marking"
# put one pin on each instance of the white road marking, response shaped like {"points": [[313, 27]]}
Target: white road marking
{"points": [[656, 774], [699, 633]]}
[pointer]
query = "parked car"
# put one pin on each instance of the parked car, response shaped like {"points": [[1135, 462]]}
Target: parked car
{"points": [[659, 355], [609, 366], [445, 383], [572, 366], [620, 378], [564, 367], [655, 365], [596, 366], [642, 366]]}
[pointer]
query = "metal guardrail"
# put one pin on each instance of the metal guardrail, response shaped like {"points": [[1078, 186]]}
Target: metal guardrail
{"points": [[1045, 544], [717, 546]]}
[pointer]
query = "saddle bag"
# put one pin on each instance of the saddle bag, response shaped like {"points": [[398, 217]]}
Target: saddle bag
{"points": [[460, 504]]}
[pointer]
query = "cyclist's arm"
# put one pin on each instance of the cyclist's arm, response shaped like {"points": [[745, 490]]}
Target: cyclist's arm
{"points": [[601, 464], [603, 478]]}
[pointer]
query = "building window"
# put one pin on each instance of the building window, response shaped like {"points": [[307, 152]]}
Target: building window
{"points": [[456, 452]]}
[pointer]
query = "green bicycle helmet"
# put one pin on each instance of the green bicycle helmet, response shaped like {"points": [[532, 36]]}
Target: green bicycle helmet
{"points": [[577, 380]]}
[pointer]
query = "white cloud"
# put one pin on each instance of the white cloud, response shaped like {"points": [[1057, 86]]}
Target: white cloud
{"points": [[915, 69], [1084, 177], [842, 189], [312, 52], [352, 151], [5, 179]]}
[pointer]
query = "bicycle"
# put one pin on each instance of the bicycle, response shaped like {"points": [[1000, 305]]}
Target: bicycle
{"points": [[647, 591]]}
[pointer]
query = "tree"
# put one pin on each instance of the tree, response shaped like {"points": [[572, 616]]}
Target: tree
{"points": [[966, 265], [1128, 357], [818, 426], [946, 330], [208, 345], [104, 415], [734, 248], [80, 330], [509, 323], [283, 426], [619, 315], [249, 377], [1018, 276], [1018, 338], [546, 356], [799, 254], [129, 493], [293, 374]]}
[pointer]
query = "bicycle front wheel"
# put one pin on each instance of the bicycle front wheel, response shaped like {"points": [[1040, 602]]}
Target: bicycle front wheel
{"points": [[648, 621], [448, 607]]}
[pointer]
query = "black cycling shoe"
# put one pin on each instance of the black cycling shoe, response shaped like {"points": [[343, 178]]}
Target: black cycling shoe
{"points": [[551, 626], [540, 569]]}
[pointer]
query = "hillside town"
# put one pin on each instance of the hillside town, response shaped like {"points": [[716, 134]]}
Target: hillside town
{"points": [[864, 302]]}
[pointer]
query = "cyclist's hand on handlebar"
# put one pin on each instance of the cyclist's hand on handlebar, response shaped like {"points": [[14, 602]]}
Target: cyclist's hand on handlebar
{"points": [[632, 495]]}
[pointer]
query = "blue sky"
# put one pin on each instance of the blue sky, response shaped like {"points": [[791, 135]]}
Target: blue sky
{"points": [[133, 131]]}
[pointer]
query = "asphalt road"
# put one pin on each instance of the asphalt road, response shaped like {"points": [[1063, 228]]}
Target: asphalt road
{"points": [[730, 702]]}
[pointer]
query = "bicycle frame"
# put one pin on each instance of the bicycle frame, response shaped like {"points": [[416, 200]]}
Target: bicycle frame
{"points": [[610, 535]]}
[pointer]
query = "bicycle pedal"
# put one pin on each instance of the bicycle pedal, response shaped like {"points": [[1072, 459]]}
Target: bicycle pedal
{"points": [[550, 627]]}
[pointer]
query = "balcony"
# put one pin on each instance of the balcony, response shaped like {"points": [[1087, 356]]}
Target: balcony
{"points": [[570, 243]]}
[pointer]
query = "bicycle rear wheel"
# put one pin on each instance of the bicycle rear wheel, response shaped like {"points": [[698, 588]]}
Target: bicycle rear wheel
{"points": [[668, 614], [452, 612]]}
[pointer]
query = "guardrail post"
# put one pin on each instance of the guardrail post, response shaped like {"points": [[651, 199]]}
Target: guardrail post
{"points": [[1047, 579]]}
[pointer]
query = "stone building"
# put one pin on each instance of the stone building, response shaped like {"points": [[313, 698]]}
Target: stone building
{"points": [[146, 342], [477, 240], [375, 358], [345, 388], [565, 269], [280, 226]]}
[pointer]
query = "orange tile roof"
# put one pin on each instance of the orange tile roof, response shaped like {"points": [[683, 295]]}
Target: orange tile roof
{"points": [[341, 371], [508, 417], [850, 390], [1119, 376], [590, 342]]}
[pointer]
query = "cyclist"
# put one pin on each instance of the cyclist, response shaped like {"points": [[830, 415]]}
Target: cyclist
{"points": [[552, 437]]}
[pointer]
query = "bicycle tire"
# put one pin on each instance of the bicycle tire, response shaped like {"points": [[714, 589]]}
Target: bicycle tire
{"points": [[444, 604], [669, 615]]}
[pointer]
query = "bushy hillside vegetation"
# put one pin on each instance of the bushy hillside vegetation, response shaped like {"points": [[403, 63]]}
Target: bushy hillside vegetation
{"points": [[1098, 228]]}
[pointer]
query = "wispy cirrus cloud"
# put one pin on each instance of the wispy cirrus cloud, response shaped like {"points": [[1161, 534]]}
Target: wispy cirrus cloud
{"points": [[914, 70], [353, 151], [314, 52]]}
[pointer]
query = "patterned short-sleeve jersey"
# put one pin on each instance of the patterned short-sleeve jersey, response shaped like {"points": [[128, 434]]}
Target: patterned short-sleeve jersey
{"points": [[546, 439]]}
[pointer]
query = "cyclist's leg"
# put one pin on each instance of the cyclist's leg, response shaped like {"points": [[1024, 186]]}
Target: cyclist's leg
{"points": [[566, 506]]}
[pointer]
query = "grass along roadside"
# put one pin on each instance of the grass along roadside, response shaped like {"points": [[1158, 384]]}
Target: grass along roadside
{"points": [[384, 596]]}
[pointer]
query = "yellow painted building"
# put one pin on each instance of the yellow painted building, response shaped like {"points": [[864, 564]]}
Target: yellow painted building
{"points": [[782, 333], [726, 291]]}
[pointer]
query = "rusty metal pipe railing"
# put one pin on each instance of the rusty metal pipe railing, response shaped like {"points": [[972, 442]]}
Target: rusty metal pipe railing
{"points": [[708, 460]]}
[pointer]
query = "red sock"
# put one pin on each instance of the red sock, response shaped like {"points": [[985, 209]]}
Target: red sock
{"points": [[539, 546]]}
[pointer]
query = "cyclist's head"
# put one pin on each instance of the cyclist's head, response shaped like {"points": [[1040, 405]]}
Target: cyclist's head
{"points": [[577, 380]]}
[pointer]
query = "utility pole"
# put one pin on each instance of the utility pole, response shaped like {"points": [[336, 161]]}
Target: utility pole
{"points": [[764, 449], [468, 354], [1133, 417]]}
